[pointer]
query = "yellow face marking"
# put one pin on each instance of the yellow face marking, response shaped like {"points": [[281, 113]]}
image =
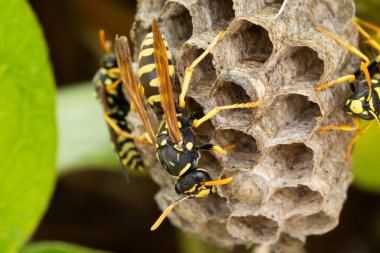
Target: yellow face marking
{"points": [[203, 193], [365, 113], [109, 64], [184, 169], [189, 146], [163, 143], [146, 69], [103, 71], [347, 102], [157, 146], [164, 132], [356, 107], [179, 124], [362, 98], [110, 100]]}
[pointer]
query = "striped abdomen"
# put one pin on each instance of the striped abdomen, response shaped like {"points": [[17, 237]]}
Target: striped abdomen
{"points": [[147, 70], [117, 107]]}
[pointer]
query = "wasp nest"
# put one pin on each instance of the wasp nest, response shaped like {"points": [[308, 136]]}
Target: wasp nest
{"points": [[289, 181]]}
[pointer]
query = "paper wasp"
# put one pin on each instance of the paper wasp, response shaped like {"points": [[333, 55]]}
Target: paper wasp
{"points": [[364, 103], [116, 108], [174, 139]]}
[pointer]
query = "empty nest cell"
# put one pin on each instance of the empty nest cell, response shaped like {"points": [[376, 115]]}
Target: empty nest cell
{"points": [[247, 7], [245, 155], [296, 200], [290, 115], [247, 43], [245, 193], [229, 93], [177, 23], [300, 64], [254, 229], [204, 75], [221, 12], [317, 223], [290, 163]]}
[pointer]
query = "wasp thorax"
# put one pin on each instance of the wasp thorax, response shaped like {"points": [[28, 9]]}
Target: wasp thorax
{"points": [[191, 184]]}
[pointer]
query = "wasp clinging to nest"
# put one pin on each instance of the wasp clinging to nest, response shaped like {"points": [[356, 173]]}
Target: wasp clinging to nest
{"points": [[174, 139], [364, 103], [116, 107]]}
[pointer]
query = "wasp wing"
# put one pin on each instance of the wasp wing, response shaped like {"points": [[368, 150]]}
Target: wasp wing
{"points": [[126, 70], [165, 83]]}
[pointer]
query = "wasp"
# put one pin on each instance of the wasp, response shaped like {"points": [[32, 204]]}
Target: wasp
{"points": [[364, 103], [173, 138], [116, 107]]}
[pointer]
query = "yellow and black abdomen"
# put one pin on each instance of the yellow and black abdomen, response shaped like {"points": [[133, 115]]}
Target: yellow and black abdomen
{"points": [[147, 70], [117, 107]]}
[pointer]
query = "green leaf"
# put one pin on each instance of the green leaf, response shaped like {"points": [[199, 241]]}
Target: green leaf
{"points": [[83, 134], [366, 160], [57, 247], [27, 128]]}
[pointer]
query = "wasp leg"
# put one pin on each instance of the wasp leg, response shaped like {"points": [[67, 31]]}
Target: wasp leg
{"points": [[352, 142], [119, 131], [113, 86], [190, 69], [349, 47], [341, 128], [373, 27], [213, 112], [349, 78], [209, 147]]}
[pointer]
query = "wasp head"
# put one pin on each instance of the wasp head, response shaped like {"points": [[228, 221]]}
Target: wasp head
{"points": [[109, 61], [192, 184]]}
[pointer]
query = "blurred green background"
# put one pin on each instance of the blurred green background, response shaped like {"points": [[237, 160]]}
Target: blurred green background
{"points": [[93, 206]]}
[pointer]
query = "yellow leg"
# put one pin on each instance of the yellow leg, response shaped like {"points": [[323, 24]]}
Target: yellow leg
{"points": [[352, 142], [113, 86], [349, 78], [217, 149], [364, 68], [190, 69], [214, 111], [341, 128], [119, 131], [368, 25], [349, 47]]}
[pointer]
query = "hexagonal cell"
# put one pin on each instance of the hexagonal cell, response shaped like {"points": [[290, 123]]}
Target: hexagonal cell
{"points": [[295, 200], [204, 75], [229, 93], [221, 12], [290, 163], [245, 193], [300, 64], [205, 131], [254, 53], [177, 23], [315, 224], [246, 7], [254, 229], [290, 115], [246, 153]]}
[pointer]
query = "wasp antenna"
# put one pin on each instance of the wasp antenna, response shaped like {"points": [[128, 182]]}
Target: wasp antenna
{"points": [[376, 118], [218, 182], [167, 211], [105, 44]]}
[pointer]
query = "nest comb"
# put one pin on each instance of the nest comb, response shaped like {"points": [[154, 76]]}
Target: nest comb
{"points": [[289, 182]]}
